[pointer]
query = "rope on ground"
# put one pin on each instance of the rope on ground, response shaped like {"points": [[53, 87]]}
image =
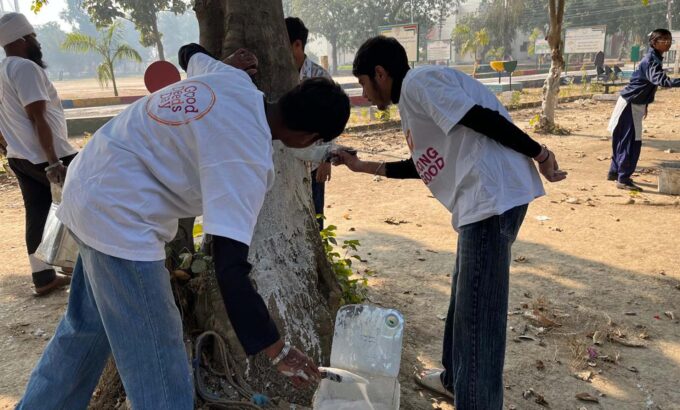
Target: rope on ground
{"points": [[233, 378]]}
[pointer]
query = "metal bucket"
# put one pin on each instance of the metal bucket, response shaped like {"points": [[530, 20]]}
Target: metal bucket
{"points": [[669, 178]]}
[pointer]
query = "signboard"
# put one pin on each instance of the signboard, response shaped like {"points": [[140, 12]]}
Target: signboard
{"points": [[635, 53], [585, 39], [406, 35], [541, 46], [676, 41], [438, 50]]}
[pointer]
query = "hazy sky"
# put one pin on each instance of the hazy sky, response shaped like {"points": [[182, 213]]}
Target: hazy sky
{"points": [[50, 12]]}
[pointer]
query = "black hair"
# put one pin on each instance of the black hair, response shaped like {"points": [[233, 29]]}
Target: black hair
{"points": [[316, 105], [296, 30], [387, 53], [658, 34]]}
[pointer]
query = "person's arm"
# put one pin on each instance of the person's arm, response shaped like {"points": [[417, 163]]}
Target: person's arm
{"points": [[187, 51], [495, 126], [56, 171], [405, 169], [241, 59], [249, 315], [657, 76]]}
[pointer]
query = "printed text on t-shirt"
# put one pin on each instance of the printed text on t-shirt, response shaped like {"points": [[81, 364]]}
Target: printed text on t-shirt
{"points": [[182, 103], [429, 165]]}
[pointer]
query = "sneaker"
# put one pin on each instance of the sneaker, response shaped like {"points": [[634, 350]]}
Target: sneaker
{"points": [[628, 185], [612, 176], [59, 282], [432, 381]]}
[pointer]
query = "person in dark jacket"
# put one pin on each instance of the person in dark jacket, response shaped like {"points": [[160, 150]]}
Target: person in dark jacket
{"points": [[631, 108]]}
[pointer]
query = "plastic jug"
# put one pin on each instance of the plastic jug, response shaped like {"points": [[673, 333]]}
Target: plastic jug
{"points": [[367, 342]]}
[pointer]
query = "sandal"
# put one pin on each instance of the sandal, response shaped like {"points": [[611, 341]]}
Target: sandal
{"points": [[431, 380]]}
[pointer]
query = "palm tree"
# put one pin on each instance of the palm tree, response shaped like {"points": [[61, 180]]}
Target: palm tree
{"points": [[470, 42], [108, 44]]}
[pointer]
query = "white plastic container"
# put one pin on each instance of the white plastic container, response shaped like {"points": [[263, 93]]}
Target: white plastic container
{"points": [[669, 178], [367, 342]]}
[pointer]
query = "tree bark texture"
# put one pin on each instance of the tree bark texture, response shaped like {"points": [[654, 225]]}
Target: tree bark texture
{"points": [[289, 266], [551, 87]]}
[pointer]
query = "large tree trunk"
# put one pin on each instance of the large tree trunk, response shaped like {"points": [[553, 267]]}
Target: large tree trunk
{"points": [[159, 39], [551, 88], [290, 267]]}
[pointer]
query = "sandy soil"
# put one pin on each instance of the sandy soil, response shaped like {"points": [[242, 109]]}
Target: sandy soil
{"points": [[600, 263]]}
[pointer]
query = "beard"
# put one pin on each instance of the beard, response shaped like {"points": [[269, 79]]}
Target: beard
{"points": [[35, 55]]}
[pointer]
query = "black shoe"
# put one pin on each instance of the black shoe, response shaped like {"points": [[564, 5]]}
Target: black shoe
{"points": [[628, 185], [612, 176]]}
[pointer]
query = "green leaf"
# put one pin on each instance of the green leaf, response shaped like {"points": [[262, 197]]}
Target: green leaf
{"points": [[185, 261], [333, 241], [199, 266]]}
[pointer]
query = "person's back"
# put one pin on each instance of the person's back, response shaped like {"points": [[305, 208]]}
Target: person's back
{"points": [[486, 177], [196, 133]]}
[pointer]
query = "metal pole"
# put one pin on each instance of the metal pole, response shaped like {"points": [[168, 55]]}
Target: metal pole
{"points": [[412, 11]]}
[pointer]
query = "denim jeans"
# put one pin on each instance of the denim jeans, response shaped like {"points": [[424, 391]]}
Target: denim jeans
{"points": [[474, 338], [121, 307]]}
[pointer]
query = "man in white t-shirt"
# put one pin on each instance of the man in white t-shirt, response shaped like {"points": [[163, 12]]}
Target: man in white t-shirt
{"points": [[479, 165], [33, 125], [202, 146]]}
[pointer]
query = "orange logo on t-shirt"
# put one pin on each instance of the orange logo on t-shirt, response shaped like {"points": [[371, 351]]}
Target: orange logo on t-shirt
{"points": [[182, 103]]}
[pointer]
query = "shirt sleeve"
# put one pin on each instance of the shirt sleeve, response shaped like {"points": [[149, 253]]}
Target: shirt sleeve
{"points": [[29, 82], [233, 193], [247, 311], [495, 126], [200, 63], [657, 76], [187, 51], [405, 169], [441, 98]]}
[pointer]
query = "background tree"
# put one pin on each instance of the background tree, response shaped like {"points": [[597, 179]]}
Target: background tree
{"points": [[108, 44], [472, 42], [143, 13], [333, 19], [551, 88]]}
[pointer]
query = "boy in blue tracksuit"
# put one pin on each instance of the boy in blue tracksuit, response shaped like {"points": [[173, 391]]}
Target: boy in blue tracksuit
{"points": [[631, 108]]}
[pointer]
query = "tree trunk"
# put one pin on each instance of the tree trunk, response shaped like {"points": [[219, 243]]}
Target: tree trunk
{"points": [[159, 39], [334, 54], [551, 88], [113, 80], [290, 267]]}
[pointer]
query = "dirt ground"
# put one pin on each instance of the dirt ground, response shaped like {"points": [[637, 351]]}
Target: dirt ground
{"points": [[589, 259]]}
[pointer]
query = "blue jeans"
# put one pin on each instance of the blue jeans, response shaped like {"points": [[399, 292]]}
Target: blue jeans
{"points": [[474, 338], [121, 307]]}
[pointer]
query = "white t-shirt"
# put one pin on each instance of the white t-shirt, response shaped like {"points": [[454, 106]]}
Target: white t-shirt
{"points": [[472, 175], [23, 82], [199, 147]]}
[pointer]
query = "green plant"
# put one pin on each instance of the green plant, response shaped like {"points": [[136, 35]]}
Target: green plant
{"points": [[496, 53], [533, 122], [353, 285], [516, 99], [383, 115]]}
